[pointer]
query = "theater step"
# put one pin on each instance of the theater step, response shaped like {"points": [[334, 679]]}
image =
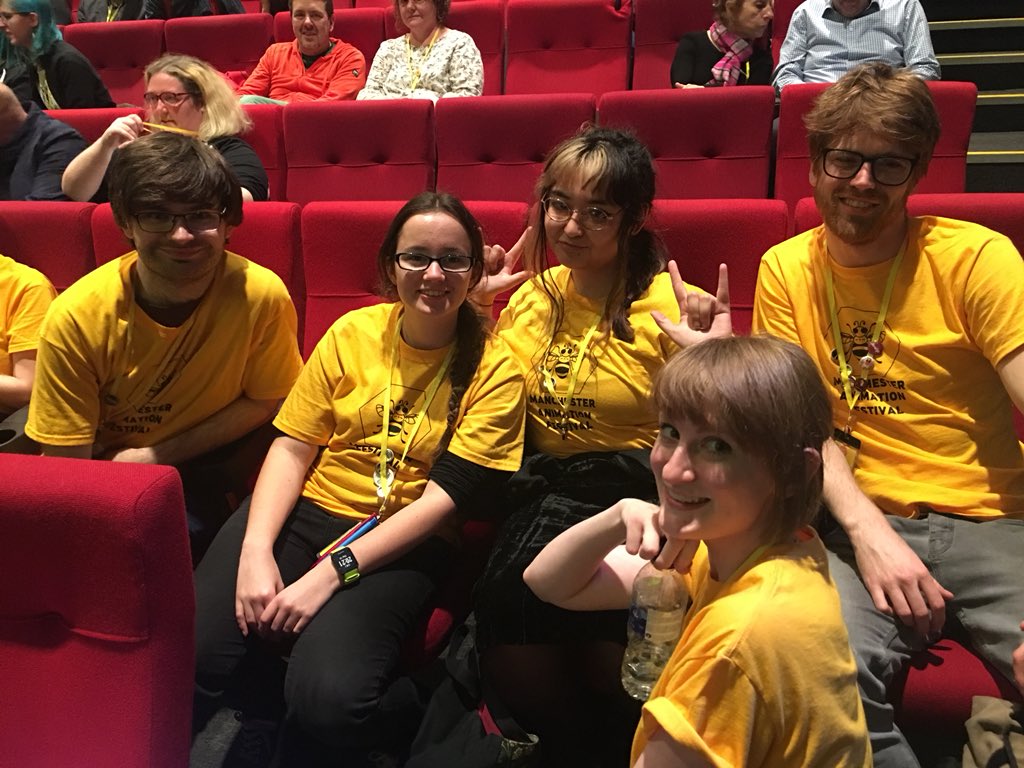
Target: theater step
{"points": [[995, 162], [991, 70], [972, 35]]}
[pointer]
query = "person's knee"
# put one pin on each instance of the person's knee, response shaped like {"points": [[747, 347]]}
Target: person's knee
{"points": [[330, 710]]}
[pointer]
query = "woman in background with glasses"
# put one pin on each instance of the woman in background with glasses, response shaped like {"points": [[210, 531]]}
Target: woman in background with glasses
{"points": [[183, 95], [62, 78], [403, 410], [429, 61], [590, 334]]}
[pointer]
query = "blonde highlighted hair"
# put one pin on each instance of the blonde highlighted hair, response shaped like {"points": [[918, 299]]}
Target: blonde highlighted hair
{"points": [[222, 114]]}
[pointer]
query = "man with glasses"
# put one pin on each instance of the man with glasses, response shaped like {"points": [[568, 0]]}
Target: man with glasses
{"points": [[176, 348], [316, 67], [915, 323]]}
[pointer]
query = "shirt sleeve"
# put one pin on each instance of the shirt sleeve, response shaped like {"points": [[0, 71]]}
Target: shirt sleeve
{"points": [[274, 360], [349, 75], [994, 298], [918, 53], [793, 52], [246, 164], [258, 82], [682, 63], [465, 69], [307, 412], [59, 147], [462, 479], [773, 307], [26, 315]]}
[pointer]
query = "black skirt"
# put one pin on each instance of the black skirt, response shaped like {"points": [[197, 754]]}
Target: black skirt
{"points": [[545, 497]]}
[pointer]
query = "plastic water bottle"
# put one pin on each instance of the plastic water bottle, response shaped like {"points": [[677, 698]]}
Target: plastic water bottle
{"points": [[660, 600]]}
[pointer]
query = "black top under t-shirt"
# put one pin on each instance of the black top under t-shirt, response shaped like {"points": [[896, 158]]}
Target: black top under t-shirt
{"points": [[696, 55]]}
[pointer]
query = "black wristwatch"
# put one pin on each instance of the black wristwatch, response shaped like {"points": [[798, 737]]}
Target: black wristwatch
{"points": [[346, 566]]}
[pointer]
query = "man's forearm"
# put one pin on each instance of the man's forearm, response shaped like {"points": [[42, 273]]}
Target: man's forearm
{"points": [[228, 424], [854, 511]]}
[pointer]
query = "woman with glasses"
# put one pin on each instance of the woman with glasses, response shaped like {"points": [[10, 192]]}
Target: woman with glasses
{"points": [[732, 51], [183, 95], [590, 333], [403, 410], [62, 78], [429, 61]]}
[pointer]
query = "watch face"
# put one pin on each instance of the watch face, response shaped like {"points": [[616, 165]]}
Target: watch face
{"points": [[344, 560]]}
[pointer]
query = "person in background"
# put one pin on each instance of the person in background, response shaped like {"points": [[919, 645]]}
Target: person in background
{"points": [[762, 675], [315, 67], [110, 10], [591, 333], [914, 322], [403, 436], [731, 52], [34, 150], [183, 94], [25, 295], [62, 78], [429, 61], [827, 38], [178, 347]]}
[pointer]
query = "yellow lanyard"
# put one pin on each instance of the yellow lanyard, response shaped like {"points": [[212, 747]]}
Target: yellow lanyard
{"points": [[45, 94], [854, 388], [548, 381], [414, 72], [384, 477]]}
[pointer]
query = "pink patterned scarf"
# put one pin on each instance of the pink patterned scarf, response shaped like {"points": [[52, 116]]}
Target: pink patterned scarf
{"points": [[736, 49]]}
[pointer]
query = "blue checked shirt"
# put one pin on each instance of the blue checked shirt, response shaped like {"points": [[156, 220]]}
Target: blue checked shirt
{"points": [[821, 44]]}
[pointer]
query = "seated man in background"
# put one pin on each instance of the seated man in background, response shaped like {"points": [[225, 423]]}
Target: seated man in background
{"points": [[315, 67], [916, 325], [25, 295], [825, 38], [176, 348], [34, 150]]}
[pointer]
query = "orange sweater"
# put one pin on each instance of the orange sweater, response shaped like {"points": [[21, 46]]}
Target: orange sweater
{"points": [[280, 74]]}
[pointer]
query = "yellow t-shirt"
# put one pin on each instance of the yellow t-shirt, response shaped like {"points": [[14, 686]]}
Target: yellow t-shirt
{"points": [[337, 402], [936, 423], [106, 372], [763, 674], [608, 409], [25, 295]]}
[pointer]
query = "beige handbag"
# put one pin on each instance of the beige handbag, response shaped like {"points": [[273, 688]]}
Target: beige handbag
{"points": [[995, 734]]}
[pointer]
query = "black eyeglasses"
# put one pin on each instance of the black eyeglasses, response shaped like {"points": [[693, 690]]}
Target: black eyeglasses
{"points": [[592, 218], [891, 170], [420, 262], [170, 98], [162, 222]]}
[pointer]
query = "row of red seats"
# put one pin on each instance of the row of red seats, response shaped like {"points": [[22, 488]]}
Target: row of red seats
{"points": [[528, 46], [706, 143], [326, 252]]}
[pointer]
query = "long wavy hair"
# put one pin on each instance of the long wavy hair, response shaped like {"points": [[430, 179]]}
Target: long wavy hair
{"points": [[43, 37], [470, 332]]}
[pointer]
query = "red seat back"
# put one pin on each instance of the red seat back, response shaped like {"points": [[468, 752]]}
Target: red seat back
{"points": [[493, 147], [349, 150], [361, 27], [120, 53], [267, 140], [53, 237], [701, 234], [571, 45], [484, 21], [698, 153], [231, 43], [91, 123], [96, 614], [657, 27]]}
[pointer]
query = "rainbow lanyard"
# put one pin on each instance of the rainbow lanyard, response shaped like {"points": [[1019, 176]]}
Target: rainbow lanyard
{"points": [[548, 378], [414, 72], [853, 393], [386, 477]]}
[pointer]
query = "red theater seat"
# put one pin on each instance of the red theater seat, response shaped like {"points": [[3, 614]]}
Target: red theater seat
{"points": [[267, 140], [231, 43], [347, 150], [361, 27], [96, 615], [53, 237], [697, 154], [954, 102], [91, 123], [493, 147], [502, 223], [783, 12], [657, 27], [120, 53], [701, 234], [571, 45], [484, 21]]}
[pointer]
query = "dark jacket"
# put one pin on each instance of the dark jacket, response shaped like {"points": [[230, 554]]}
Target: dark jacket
{"points": [[72, 79], [32, 163]]}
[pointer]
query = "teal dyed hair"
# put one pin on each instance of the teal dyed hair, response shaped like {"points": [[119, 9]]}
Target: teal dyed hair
{"points": [[46, 32]]}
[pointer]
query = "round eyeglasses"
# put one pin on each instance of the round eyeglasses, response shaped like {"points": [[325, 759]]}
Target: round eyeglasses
{"points": [[890, 170], [592, 218], [169, 98], [448, 262], [162, 222]]}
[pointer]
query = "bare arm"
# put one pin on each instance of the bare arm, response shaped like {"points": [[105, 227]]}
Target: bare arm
{"points": [[662, 751], [591, 566], [295, 606], [16, 388], [897, 580], [1011, 372], [701, 315], [68, 451], [277, 489], [85, 173], [228, 424]]}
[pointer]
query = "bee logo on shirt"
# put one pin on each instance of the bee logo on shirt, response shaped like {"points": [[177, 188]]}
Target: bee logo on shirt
{"points": [[400, 421]]}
